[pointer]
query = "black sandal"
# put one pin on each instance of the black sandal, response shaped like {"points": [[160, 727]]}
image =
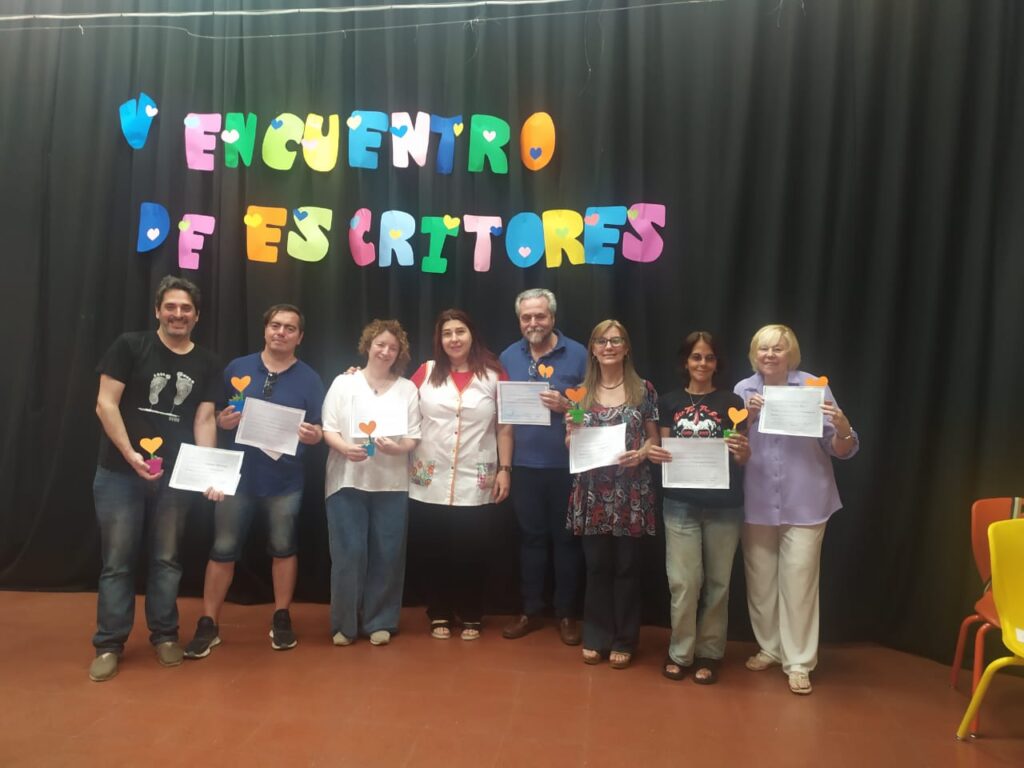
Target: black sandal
{"points": [[670, 662], [441, 629], [711, 666]]}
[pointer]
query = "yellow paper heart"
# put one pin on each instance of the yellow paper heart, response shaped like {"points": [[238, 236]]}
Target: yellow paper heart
{"points": [[576, 394], [151, 444], [252, 219], [395, 233], [457, 129], [450, 222], [820, 381], [737, 415], [240, 382], [367, 429], [545, 370]]}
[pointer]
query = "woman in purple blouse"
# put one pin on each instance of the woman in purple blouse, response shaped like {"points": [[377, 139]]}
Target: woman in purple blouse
{"points": [[789, 495]]}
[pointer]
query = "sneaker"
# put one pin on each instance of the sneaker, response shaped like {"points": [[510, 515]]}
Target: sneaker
{"points": [[380, 637], [169, 653], [103, 667], [340, 639], [760, 661], [206, 638], [281, 635]]}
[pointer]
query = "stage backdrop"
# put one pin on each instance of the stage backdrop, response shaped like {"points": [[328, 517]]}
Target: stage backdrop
{"points": [[853, 169]]}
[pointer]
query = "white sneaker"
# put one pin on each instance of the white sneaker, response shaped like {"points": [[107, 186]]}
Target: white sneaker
{"points": [[340, 639], [380, 637]]}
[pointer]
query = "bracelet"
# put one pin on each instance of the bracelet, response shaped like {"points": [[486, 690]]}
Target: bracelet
{"points": [[845, 437], [505, 468]]}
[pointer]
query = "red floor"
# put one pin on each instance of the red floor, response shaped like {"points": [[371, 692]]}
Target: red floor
{"points": [[495, 702]]}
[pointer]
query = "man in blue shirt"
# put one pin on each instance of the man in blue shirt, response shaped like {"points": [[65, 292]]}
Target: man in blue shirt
{"points": [[270, 483], [540, 476]]}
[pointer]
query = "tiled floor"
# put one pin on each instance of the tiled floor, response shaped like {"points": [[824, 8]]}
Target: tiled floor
{"points": [[424, 702]]}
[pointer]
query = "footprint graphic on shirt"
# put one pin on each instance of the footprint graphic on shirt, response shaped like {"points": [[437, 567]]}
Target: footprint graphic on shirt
{"points": [[156, 386], [183, 388]]}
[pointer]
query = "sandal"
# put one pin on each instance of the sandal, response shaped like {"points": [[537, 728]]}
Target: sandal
{"points": [[471, 630], [681, 669], [624, 659], [591, 656], [440, 629], [708, 666]]}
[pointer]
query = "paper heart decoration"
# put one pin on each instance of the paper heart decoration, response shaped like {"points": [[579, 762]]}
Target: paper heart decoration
{"points": [[457, 129], [545, 370], [820, 381], [314, 121], [592, 219], [151, 111], [737, 415], [496, 231], [367, 428], [240, 382], [576, 394], [276, 123], [353, 222], [536, 152], [191, 121], [562, 231], [151, 444], [300, 215], [524, 251], [450, 222], [632, 213], [229, 137], [490, 136], [252, 219], [354, 122], [395, 233], [152, 233], [399, 130], [183, 225], [310, 143]]}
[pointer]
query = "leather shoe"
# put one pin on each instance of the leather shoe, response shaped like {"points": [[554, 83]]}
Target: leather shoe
{"points": [[569, 629], [522, 626]]}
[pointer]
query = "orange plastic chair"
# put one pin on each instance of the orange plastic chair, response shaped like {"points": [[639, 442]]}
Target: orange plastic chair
{"points": [[1006, 546]]}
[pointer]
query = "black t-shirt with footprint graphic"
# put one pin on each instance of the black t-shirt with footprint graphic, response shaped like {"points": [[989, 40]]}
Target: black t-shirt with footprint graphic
{"points": [[161, 394]]}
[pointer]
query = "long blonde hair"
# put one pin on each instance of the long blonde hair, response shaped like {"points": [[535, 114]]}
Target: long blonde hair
{"points": [[632, 383]]}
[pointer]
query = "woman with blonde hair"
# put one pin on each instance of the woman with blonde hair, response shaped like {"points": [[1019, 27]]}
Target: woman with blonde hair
{"points": [[612, 507], [789, 494]]}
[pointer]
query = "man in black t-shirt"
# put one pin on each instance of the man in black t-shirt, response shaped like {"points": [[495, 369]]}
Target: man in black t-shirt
{"points": [[157, 391]]}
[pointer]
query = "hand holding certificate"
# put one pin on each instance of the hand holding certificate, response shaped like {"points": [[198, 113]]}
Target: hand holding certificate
{"points": [[270, 426], [697, 462], [593, 447], [199, 469], [519, 402], [793, 411]]}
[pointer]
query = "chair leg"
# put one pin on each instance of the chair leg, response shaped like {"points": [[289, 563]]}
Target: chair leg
{"points": [[979, 665], [961, 642], [979, 694]]}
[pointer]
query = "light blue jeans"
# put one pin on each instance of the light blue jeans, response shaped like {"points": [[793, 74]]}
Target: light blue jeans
{"points": [[367, 539], [700, 545], [123, 501]]}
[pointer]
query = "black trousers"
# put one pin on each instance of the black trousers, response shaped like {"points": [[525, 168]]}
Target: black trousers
{"points": [[455, 560], [611, 607]]}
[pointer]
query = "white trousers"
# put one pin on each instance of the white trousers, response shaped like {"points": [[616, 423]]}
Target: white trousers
{"points": [[782, 565]]}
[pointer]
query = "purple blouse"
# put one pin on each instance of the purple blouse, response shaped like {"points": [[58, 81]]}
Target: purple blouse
{"points": [[789, 480]]}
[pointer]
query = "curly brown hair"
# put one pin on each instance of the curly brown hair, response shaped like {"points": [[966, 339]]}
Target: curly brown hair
{"points": [[375, 329]]}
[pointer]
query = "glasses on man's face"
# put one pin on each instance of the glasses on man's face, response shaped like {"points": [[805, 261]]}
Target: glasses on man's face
{"points": [[268, 385], [614, 341]]}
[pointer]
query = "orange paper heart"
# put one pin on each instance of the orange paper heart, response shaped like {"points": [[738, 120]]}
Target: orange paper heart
{"points": [[737, 415], [151, 444], [576, 394], [367, 429], [545, 370], [821, 381], [240, 382]]}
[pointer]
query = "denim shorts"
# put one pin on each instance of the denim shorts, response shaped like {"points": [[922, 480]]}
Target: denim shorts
{"points": [[233, 516]]}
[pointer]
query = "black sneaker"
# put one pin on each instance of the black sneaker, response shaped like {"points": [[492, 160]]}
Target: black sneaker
{"points": [[281, 635], [205, 639]]}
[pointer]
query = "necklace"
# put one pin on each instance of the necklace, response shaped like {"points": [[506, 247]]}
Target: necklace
{"points": [[613, 386], [697, 402]]}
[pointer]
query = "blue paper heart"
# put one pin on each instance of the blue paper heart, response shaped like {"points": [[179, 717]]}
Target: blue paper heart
{"points": [[536, 152], [496, 231], [399, 130], [300, 214], [276, 123], [354, 222]]}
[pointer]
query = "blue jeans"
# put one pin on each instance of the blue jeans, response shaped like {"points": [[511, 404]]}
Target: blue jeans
{"points": [[540, 498], [123, 501], [700, 545], [233, 516], [367, 539]]}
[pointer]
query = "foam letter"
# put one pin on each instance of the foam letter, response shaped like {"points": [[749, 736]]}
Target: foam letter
{"points": [[310, 242], [561, 228], [364, 138], [190, 238], [484, 227], [136, 119], [642, 217], [200, 139], [524, 239], [487, 136], [447, 128], [363, 253], [537, 141], [439, 232], [319, 149], [396, 227], [283, 130], [153, 225], [602, 232], [239, 137], [407, 139], [263, 232]]}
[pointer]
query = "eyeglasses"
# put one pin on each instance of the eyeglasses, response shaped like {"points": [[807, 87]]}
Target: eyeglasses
{"points": [[614, 341], [532, 370], [268, 385]]}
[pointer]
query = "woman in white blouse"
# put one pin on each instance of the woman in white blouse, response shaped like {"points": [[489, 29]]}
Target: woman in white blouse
{"points": [[367, 486]]}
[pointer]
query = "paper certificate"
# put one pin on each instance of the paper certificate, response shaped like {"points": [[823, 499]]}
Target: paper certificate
{"points": [[793, 411], [197, 469], [391, 421], [697, 462], [593, 447], [270, 426], [519, 403]]}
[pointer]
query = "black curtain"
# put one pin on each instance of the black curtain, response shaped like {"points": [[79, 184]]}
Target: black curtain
{"points": [[853, 169]]}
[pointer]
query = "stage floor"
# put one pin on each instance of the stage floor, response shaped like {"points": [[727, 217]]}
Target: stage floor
{"points": [[494, 702]]}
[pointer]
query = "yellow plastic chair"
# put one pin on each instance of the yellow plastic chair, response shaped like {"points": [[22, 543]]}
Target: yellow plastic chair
{"points": [[1006, 545]]}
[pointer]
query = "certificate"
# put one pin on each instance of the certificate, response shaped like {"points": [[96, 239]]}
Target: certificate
{"points": [[197, 469], [270, 426], [593, 447], [391, 421], [793, 411], [697, 462], [519, 403]]}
